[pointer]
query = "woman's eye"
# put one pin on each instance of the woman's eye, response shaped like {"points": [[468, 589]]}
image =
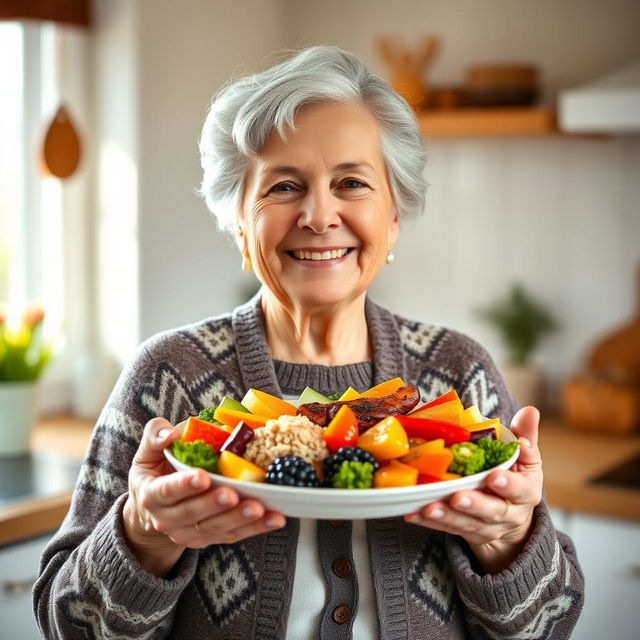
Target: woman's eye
{"points": [[353, 184], [282, 187]]}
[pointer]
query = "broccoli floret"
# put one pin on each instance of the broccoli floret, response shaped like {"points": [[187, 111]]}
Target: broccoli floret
{"points": [[334, 397], [196, 454], [207, 414], [496, 452], [353, 475], [468, 458]]}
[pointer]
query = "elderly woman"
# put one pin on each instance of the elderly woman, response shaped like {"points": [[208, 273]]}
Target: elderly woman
{"points": [[311, 165]]}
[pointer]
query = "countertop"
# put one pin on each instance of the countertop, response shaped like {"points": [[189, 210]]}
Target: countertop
{"points": [[571, 459], [36, 488]]}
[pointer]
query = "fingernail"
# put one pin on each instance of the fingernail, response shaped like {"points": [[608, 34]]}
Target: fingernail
{"points": [[415, 519], [164, 433], [464, 502], [499, 483], [272, 523], [223, 499], [248, 512], [436, 513], [196, 482], [525, 442]]}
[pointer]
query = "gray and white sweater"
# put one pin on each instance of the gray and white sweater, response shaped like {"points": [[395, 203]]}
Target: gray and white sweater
{"points": [[427, 584]]}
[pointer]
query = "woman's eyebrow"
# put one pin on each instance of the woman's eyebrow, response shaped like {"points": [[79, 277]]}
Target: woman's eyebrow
{"points": [[288, 170]]}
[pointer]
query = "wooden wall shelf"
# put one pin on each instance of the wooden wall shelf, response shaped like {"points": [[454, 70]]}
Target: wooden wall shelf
{"points": [[521, 121]]}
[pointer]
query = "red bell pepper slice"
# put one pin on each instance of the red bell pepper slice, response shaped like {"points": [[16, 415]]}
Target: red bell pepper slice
{"points": [[197, 429], [434, 430]]}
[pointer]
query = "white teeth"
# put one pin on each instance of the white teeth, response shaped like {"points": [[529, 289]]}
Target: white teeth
{"points": [[317, 255]]}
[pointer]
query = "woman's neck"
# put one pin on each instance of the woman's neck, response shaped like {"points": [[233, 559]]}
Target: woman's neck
{"points": [[329, 336]]}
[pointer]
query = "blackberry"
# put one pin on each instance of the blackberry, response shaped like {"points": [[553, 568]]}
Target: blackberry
{"points": [[292, 471], [331, 464]]}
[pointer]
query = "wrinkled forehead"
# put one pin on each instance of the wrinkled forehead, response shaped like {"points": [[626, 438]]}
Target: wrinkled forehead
{"points": [[327, 134]]}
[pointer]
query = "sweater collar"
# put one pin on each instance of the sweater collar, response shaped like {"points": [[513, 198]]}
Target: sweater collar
{"points": [[256, 364]]}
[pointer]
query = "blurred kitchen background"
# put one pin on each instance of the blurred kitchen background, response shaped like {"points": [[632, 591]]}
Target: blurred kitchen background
{"points": [[534, 172]]}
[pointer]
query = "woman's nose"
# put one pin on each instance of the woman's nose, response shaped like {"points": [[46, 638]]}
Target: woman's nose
{"points": [[319, 213]]}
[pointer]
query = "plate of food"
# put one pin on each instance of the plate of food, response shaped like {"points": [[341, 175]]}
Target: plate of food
{"points": [[373, 454]]}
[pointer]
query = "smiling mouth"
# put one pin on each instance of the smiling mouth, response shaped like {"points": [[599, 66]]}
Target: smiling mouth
{"points": [[319, 255]]}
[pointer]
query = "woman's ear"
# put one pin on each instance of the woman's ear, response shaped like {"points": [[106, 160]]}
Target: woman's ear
{"points": [[241, 240]]}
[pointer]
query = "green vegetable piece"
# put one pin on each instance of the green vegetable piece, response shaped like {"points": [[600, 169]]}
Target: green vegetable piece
{"points": [[196, 454], [234, 405], [334, 397], [496, 452], [468, 458], [207, 414], [311, 395], [353, 475]]}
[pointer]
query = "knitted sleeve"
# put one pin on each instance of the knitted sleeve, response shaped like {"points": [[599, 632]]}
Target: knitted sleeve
{"points": [[90, 584], [539, 596]]}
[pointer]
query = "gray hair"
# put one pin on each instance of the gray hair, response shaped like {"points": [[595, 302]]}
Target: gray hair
{"points": [[248, 109]]}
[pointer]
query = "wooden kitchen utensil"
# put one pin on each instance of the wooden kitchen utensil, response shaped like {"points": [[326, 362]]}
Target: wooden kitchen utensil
{"points": [[61, 149], [590, 403], [408, 68], [607, 397], [617, 356]]}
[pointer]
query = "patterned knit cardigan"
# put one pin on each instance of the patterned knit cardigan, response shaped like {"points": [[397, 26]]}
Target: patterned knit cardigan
{"points": [[427, 584]]}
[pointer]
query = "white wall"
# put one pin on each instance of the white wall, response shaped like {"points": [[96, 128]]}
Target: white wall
{"points": [[187, 51], [161, 261]]}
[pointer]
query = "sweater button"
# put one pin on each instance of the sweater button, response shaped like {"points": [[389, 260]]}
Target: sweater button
{"points": [[341, 567], [336, 524], [341, 614]]}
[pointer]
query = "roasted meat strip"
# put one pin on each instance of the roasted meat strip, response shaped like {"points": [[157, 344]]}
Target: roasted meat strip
{"points": [[368, 411]]}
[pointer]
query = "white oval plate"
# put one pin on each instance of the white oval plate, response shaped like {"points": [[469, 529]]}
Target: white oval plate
{"points": [[351, 504]]}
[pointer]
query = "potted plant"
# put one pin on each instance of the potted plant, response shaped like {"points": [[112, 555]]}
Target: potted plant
{"points": [[24, 353], [522, 322]]}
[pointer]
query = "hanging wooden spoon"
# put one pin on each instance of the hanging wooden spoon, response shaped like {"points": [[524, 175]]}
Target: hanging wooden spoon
{"points": [[61, 153], [61, 149]]}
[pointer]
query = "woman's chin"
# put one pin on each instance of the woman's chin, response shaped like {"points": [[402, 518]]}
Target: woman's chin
{"points": [[321, 296]]}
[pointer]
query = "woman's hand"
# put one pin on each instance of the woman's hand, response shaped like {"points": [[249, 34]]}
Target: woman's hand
{"points": [[168, 511], [495, 523]]}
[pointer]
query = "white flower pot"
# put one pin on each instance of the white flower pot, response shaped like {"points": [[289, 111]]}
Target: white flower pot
{"points": [[526, 382], [17, 416]]}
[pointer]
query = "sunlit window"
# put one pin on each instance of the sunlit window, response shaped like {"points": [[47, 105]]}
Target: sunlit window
{"points": [[12, 257], [39, 227]]}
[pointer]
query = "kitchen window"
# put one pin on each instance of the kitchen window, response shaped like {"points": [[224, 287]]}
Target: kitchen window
{"points": [[43, 219]]}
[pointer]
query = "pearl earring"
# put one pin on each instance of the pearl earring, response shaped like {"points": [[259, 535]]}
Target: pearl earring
{"points": [[390, 257], [246, 262]]}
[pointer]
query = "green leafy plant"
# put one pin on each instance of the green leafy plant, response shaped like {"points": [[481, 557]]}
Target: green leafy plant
{"points": [[521, 322], [24, 352]]}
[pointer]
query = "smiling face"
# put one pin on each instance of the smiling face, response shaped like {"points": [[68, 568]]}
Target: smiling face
{"points": [[317, 216]]}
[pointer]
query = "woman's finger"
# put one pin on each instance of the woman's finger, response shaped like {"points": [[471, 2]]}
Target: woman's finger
{"points": [[441, 517], [246, 512], [168, 490], [271, 521], [198, 507], [516, 487], [157, 435], [490, 509], [525, 427]]}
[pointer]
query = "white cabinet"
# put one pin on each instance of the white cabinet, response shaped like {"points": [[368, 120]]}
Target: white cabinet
{"points": [[19, 564], [609, 554]]}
